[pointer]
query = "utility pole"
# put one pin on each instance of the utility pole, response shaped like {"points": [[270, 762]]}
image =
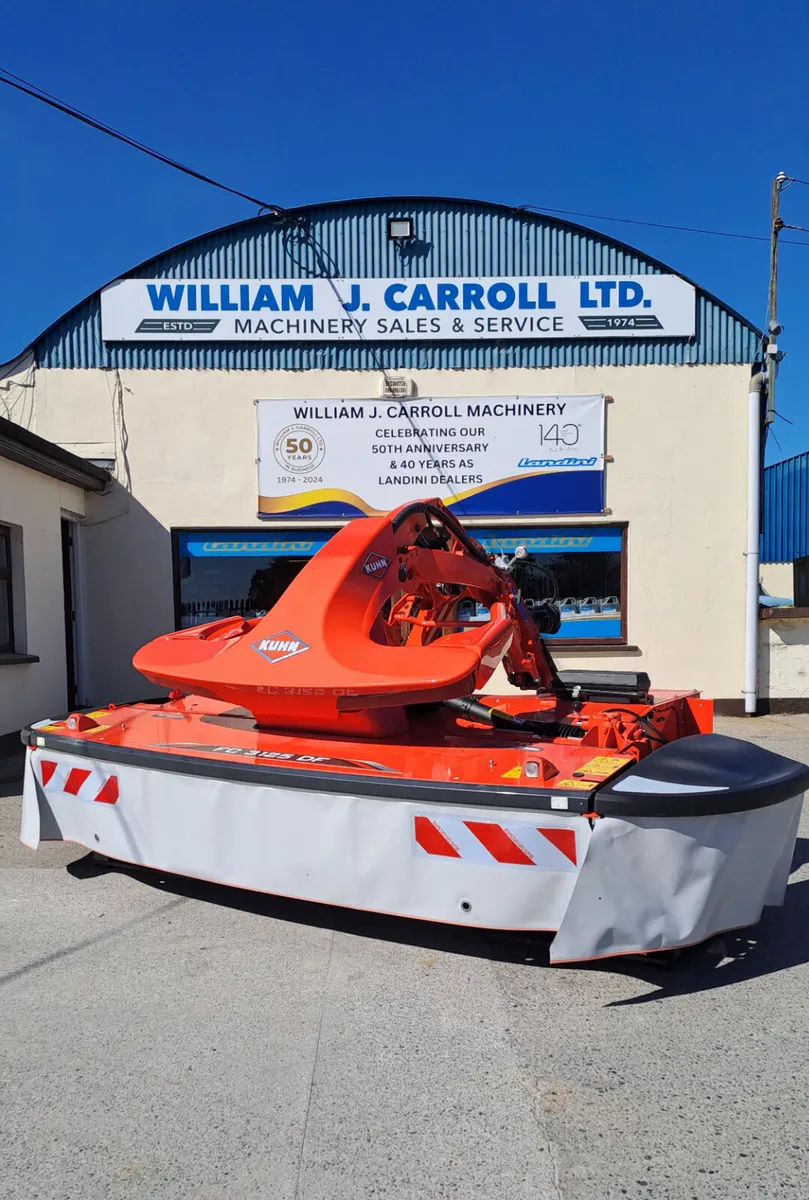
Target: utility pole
{"points": [[773, 328]]}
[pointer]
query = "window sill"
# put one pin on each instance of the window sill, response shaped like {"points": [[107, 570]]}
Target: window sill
{"points": [[596, 647], [13, 660]]}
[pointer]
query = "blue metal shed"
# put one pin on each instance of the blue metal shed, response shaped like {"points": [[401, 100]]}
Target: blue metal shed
{"points": [[785, 502]]}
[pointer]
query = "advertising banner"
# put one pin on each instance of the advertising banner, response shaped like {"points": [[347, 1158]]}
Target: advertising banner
{"points": [[398, 310], [483, 456]]}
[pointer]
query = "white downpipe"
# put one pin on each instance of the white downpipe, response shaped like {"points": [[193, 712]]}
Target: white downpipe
{"points": [[752, 552]]}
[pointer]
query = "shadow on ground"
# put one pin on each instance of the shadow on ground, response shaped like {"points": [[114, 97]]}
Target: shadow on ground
{"points": [[12, 767], [429, 935], [780, 941]]}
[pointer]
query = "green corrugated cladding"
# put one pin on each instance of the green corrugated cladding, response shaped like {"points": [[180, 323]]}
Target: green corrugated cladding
{"points": [[350, 239], [785, 502]]}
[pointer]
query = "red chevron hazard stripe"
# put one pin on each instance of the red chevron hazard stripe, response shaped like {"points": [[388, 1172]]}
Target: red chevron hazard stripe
{"points": [[108, 792], [499, 843], [562, 839], [82, 782], [511, 843], [432, 840], [75, 778], [47, 769]]}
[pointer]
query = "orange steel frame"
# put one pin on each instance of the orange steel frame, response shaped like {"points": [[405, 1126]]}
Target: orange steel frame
{"points": [[375, 648]]}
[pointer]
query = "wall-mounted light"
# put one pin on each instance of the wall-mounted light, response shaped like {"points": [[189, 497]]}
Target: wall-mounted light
{"points": [[400, 228]]}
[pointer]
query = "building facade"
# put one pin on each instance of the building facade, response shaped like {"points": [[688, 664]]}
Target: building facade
{"points": [[46, 496], [255, 388]]}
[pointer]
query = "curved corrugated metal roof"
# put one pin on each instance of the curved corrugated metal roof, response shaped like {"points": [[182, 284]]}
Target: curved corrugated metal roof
{"points": [[348, 238]]}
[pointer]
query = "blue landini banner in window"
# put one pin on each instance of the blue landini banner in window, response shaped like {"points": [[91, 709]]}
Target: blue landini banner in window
{"points": [[559, 540], [247, 545]]}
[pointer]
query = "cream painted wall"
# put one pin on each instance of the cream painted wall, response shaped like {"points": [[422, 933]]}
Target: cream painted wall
{"points": [[677, 436], [777, 578], [32, 505], [784, 659]]}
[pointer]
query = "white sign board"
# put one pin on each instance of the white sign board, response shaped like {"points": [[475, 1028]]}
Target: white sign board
{"points": [[373, 310], [481, 455]]}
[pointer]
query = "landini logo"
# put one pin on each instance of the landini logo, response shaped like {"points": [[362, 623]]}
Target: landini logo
{"points": [[280, 646], [534, 463]]}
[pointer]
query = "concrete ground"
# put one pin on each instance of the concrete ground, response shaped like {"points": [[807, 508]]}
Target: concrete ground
{"points": [[165, 1039]]}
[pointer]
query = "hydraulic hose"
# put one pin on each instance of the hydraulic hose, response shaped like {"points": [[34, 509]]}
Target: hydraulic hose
{"points": [[474, 710], [448, 521]]}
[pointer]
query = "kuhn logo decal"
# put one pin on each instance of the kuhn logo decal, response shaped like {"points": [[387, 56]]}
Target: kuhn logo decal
{"points": [[375, 565], [280, 646]]}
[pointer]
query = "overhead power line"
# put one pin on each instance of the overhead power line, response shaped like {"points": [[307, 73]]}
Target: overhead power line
{"points": [[747, 237], [22, 85], [29, 89]]}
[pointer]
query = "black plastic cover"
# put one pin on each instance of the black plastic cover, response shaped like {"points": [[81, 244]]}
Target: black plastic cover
{"points": [[702, 775], [609, 685]]}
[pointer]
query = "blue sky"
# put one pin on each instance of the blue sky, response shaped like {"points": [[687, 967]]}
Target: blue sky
{"points": [[658, 111]]}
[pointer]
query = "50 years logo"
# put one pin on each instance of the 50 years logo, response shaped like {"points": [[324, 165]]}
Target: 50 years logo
{"points": [[299, 448]]}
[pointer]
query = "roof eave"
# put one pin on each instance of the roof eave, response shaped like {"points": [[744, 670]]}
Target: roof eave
{"points": [[29, 450]]}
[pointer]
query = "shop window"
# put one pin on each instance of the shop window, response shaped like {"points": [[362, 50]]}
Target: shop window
{"points": [[228, 573], [6, 593], [582, 567], [225, 573]]}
